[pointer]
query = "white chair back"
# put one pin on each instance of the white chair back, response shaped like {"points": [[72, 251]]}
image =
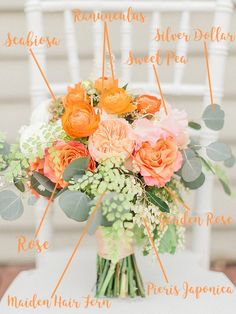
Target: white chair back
{"points": [[222, 10]]}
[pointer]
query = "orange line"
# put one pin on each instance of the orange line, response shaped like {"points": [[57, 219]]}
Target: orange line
{"points": [[176, 197], [46, 210], [208, 74], [103, 57], [159, 87], [41, 71], [78, 243], [109, 51], [155, 249]]}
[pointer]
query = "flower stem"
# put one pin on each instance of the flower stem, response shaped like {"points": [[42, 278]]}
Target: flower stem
{"points": [[102, 290], [138, 277]]}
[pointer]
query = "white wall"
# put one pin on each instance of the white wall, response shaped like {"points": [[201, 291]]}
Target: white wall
{"points": [[15, 109]]}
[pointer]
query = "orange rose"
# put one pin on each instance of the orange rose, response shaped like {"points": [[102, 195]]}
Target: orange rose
{"points": [[159, 162], [116, 101], [80, 120], [37, 165], [148, 104], [66, 153], [75, 94], [108, 84]]}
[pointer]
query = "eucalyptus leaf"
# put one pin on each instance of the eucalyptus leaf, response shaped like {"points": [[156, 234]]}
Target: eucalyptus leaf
{"points": [[194, 125], [19, 185], [195, 184], [191, 169], [75, 205], [11, 206], [5, 149], [213, 119], [42, 185], [157, 201], [194, 144], [76, 167], [188, 153], [230, 162], [218, 151]]}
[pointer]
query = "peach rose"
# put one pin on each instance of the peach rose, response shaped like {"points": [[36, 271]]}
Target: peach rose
{"points": [[148, 104], [66, 153], [116, 101], [159, 162], [112, 138], [108, 84], [75, 95], [80, 120]]}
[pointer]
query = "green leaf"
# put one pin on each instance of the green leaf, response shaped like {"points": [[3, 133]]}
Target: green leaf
{"points": [[191, 169], [125, 86], [19, 185], [213, 119], [207, 165], [225, 187], [230, 162], [41, 184], [195, 184], [194, 144], [194, 125], [99, 219], [169, 242], [76, 167], [163, 206], [75, 205], [218, 151], [222, 178], [11, 206]]}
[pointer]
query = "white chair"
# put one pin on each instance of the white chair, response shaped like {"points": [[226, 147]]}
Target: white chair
{"points": [[222, 9]]}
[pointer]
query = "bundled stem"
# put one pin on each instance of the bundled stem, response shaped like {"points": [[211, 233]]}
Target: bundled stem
{"points": [[122, 279]]}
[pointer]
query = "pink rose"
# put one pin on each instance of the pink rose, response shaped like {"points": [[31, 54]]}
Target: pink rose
{"points": [[176, 123], [145, 130], [159, 162], [112, 138]]}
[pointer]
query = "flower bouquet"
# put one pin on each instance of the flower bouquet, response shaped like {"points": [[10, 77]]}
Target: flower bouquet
{"points": [[121, 158]]}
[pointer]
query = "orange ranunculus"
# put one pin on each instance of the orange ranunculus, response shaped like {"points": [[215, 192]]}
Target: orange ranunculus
{"points": [[66, 153], [80, 120], [159, 162], [75, 94], [148, 104], [108, 84], [116, 101]]}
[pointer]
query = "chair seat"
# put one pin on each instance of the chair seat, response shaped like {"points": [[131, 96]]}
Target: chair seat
{"points": [[79, 281]]}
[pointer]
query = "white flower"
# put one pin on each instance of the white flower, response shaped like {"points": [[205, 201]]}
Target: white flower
{"points": [[41, 113]]}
